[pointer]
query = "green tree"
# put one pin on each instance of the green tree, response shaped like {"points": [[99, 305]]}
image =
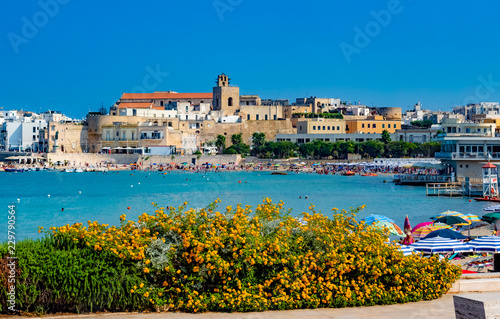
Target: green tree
{"points": [[424, 123], [372, 148], [236, 139], [258, 139], [220, 142], [386, 137]]}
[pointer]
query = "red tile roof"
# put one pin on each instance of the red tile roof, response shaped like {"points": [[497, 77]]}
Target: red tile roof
{"points": [[134, 105], [165, 95]]}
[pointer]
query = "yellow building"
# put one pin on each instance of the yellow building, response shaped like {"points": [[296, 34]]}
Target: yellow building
{"points": [[372, 125], [320, 126]]}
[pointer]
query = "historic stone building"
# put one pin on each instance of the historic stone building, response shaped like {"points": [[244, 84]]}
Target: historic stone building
{"points": [[226, 98]]}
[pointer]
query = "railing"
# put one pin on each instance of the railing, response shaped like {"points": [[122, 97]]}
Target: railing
{"points": [[151, 138], [467, 155], [445, 155], [416, 178]]}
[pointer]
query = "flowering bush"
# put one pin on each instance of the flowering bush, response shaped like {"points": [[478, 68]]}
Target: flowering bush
{"points": [[244, 260]]}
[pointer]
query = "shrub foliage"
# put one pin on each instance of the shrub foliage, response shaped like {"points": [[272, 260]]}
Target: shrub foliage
{"points": [[238, 260]]}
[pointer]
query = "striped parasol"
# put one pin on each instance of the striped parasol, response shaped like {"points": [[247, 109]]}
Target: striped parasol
{"points": [[406, 250], [393, 228], [449, 213], [376, 218], [487, 244], [472, 218], [440, 245], [426, 230]]}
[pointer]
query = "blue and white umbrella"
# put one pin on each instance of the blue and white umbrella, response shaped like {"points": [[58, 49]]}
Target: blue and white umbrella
{"points": [[440, 245], [406, 250], [487, 244], [376, 218]]}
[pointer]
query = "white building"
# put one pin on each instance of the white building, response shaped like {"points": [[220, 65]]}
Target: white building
{"points": [[486, 108], [189, 143], [22, 135]]}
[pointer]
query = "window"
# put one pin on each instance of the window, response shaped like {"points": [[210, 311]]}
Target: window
{"points": [[338, 128], [230, 101], [363, 125], [374, 125], [34, 130], [300, 128], [34, 137], [161, 103], [265, 117], [133, 136], [124, 137], [314, 128], [248, 117], [368, 125], [274, 117], [328, 127], [257, 117], [323, 128], [383, 125], [388, 125]]}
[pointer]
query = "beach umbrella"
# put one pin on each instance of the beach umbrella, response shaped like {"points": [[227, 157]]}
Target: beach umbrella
{"points": [[491, 217], [393, 228], [426, 230], [449, 213], [376, 218], [446, 233], [406, 250], [472, 218], [407, 226], [421, 225], [487, 244], [452, 220], [440, 245]]}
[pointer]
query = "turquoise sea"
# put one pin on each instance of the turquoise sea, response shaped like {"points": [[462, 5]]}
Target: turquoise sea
{"points": [[104, 197]]}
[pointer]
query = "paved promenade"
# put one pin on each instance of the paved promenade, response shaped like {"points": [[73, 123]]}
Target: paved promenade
{"points": [[440, 309]]}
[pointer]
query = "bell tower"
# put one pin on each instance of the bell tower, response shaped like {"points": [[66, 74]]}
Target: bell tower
{"points": [[226, 98]]}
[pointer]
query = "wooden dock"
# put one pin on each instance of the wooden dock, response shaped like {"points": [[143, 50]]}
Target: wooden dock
{"points": [[455, 189]]}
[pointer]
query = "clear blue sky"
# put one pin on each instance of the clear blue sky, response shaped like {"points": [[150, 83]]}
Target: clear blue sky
{"points": [[85, 53]]}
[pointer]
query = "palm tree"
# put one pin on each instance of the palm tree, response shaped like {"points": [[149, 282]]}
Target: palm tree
{"points": [[220, 143]]}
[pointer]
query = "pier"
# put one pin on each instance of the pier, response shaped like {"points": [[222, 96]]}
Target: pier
{"points": [[454, 189], [420, 179]]}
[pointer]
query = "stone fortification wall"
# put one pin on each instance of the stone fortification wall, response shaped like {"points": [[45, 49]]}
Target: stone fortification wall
{"points": [[90, 158]]}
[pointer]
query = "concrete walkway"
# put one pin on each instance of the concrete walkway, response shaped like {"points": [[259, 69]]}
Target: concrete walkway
{"points": [[440, 309]]}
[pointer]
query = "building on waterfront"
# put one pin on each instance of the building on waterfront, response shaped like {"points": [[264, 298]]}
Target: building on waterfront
{"points": [[332, 137], [374, 124], [321, 126], [21, 135], [467, 154], [414, 134], [455, 127]]}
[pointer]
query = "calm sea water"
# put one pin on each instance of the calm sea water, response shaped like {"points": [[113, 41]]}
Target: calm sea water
{"points": [[104, 197]]}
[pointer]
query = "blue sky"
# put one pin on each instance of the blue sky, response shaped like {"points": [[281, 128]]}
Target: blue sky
{"points": [[76, 55]]}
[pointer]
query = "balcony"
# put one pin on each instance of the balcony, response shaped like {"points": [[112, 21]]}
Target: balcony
{"points": [[467, 155]]}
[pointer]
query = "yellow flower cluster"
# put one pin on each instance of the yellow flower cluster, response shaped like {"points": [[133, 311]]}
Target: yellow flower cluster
{"points": [[241, 260]]}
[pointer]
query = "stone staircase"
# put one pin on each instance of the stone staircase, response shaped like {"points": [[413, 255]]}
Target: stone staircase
{"points": [[487, 282]]}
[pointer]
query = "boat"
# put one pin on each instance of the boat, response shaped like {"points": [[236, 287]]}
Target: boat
{"points": [[369, 174], [349, 173], [13, 170], [278, 173], [78, 170], [69, 170], [487, 199]]}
